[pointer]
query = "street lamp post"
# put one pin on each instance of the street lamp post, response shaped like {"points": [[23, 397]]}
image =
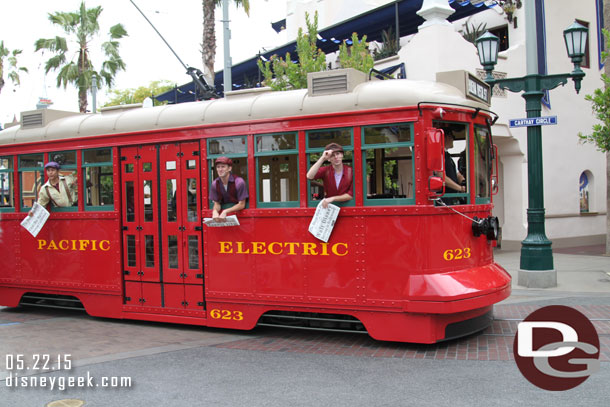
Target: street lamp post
{"points": [[536, 253]]}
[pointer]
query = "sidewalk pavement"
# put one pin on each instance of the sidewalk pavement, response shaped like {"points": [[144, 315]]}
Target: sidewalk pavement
{"points": [[580, 272]]}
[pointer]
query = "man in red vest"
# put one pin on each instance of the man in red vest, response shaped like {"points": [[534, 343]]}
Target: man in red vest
{"points": [[337, 177], [227, 188]]}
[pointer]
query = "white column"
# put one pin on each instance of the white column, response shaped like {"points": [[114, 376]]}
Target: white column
{"points": [[435, 12]]}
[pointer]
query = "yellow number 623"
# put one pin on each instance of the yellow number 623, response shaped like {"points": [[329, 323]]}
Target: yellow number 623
{"points": [[457, 254]]}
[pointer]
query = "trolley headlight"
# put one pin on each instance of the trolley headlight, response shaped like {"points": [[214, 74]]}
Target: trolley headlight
{"points": [[489, 227]]}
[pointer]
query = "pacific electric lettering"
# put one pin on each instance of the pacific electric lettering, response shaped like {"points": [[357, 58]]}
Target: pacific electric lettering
{"points": [[288, 248], [74, 245]]}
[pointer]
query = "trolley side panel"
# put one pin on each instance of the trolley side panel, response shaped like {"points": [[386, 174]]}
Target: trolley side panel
{"points": [[82, 255]]}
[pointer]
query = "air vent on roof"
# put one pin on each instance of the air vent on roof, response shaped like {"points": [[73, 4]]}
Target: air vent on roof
{"points": [[34, 119], [335, 81], [329, 85]]}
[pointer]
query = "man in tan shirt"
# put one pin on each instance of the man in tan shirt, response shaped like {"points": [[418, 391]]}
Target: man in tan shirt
{"points": [[59, 190]]}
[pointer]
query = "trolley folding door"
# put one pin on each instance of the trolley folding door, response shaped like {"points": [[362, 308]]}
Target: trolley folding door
{"points": [[141, 268], [162, 235], [180, 184]]}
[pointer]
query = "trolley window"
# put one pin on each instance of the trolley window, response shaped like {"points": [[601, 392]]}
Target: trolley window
{"points": [[99, 179], [235, 148], [316, 141], [456, 161], [482, 164], [68, 170], [277, 170], [388, 167], [31, 179], [7, 203]]}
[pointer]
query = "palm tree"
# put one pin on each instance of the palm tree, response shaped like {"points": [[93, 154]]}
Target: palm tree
{"points": [[208, 46], [82, 26], [13, 69]]}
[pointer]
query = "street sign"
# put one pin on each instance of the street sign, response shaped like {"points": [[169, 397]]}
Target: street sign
{"points": [[533, 121]]}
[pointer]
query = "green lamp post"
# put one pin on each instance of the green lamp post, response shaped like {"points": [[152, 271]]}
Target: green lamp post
{"points": [[536, 253]]}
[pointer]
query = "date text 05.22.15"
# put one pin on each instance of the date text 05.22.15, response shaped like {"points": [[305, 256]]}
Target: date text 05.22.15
{"points": [[19, 362]]}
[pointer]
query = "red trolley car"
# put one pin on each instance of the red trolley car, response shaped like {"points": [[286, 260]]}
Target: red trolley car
{"points": [[401, 264]]}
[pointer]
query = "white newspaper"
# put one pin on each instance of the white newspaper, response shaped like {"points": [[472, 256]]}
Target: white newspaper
{"points": [[230, 220], [34, 223], [323, 221]]}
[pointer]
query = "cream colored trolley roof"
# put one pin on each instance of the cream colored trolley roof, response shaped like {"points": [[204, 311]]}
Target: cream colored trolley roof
{"points": [[253, 106]]}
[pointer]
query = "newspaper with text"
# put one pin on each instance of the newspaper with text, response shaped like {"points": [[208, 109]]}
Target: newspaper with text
{"points": [[230, 220], [323, 221], [34, 223]]}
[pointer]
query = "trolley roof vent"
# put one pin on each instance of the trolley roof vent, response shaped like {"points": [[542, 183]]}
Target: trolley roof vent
{"points": [[40, 118], [335, 81], [32, 119]]}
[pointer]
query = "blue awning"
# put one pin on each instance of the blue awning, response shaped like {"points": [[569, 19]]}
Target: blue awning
{"points": [[371, 24]]}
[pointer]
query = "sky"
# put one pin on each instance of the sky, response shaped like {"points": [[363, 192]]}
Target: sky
{"points": [[146, 55]]}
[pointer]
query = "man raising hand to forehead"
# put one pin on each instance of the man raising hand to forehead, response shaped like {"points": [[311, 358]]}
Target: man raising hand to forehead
{"points": [[337, 177]]}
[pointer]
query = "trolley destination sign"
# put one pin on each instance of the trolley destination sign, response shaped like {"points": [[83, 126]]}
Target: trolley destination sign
{"points": [[533, 121]]}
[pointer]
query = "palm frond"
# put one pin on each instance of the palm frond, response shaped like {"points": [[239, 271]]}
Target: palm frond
{"points": [[3, 50], [108, 77], [112, 66], [91, 17], [67, 21], [57, 44], [55, 62], [118, 31], [14, 76], [111, 49], [67, 74]]}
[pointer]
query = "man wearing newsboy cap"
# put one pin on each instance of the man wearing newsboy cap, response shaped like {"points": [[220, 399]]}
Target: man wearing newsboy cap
{"points": [[59, 190], [337, 177], [227, 189]]}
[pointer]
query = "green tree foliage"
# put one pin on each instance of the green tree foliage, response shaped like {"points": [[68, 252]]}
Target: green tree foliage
{"points": [[284, 74], [357, 55], [601, 108], [472, 33], [291, 75], [82, 27], [12, 70], [129, 96], [389, 45]]}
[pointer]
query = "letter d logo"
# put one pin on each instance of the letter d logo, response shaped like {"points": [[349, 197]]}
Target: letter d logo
{"points": [[525, 333]]}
